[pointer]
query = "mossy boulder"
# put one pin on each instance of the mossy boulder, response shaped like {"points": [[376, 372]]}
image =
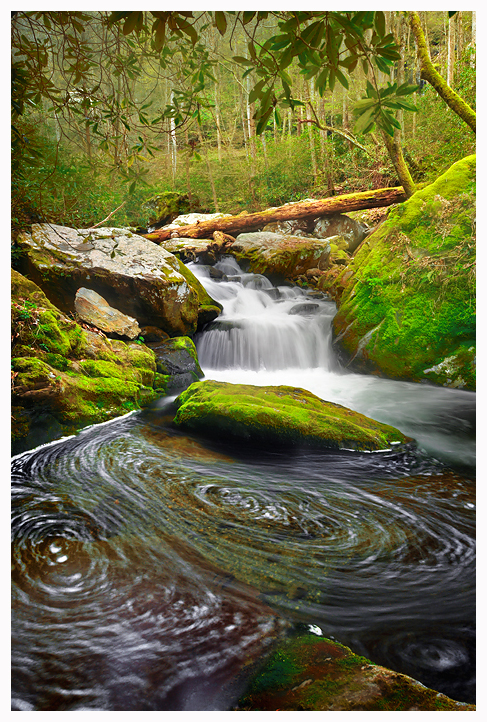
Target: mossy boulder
{"points": [[164, 207], [278, 415], [316, 674], [65, 377], [132, 274], [278, 255], [407, 303]]}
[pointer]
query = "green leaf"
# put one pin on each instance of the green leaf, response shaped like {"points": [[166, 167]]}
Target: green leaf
{"points": [[286, 58], [380, 22], [364, 120], [341, 78], [406, 89], [256, 91], [371, 91], [247, 16], [220, 22], [243, 61], [130, 23], [263, 121]]}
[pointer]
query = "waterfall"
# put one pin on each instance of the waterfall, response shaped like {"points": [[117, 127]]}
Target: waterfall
{"points": [[273, 335]]}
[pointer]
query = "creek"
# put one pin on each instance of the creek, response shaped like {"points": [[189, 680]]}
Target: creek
{"points": [[148, 567]]}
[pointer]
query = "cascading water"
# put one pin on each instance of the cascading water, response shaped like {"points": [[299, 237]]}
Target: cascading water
{"points": [[149, 568], [270, 336]]}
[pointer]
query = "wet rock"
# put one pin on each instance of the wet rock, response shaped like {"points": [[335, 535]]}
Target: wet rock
{"points": [[93, 309], [312, 673], [280, 256], [337, 224], [132, 274], [177, 356], [280, 415], [303, 309]]}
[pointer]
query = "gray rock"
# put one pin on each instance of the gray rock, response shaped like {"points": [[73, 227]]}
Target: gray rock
{"points": [[134, 275], [93, 309], [340, 225]]}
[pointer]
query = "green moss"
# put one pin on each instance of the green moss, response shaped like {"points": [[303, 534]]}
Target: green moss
{"points": [[278, 415], [65, 377], [310, 673], [410, 300]]}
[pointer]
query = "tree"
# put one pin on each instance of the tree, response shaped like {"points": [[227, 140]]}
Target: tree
{"points": [[429, 73]]}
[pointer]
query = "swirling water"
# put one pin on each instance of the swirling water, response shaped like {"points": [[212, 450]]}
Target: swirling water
{"points": [[148, 567]]}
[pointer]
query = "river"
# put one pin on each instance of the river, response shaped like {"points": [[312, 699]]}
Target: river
{"points": [[149, 568]]}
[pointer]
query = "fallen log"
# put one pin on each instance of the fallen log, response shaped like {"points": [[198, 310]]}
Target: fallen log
{"points": [[292, 211]]}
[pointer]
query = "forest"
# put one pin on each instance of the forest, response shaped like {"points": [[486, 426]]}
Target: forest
{"points": [[243, 360], [109, 111]]}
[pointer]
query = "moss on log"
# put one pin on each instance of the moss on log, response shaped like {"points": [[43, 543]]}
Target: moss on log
{"points": [[305, 209]]}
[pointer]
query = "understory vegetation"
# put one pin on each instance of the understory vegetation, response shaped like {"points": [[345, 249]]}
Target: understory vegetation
{"points": [[77, 170]]}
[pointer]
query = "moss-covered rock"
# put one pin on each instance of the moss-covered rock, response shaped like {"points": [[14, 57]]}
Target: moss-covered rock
{"points": [[280, 415], [407, 309], [164, 207], [65, 377], [312, 673]]}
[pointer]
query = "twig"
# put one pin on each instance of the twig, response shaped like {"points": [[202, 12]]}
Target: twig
{"points": [[109, 215]]}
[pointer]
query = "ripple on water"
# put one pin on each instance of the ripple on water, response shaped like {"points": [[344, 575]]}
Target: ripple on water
{"points": [[140, 569]]}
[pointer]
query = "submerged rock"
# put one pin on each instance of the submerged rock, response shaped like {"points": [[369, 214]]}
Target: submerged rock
{"points": [[280, 255], [278, 415], [407, 299], [312, 673], [133, 274], [92, 308]]}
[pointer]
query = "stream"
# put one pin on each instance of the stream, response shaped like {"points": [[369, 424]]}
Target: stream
{"points": [[150, 567]]}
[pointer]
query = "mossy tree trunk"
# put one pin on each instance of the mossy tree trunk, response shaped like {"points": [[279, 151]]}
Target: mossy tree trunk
{"points": [[394, 149], [428, 73]]}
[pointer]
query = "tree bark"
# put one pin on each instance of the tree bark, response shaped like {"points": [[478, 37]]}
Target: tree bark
{"points": [[428, 72], [394, 149], [305, 209]]}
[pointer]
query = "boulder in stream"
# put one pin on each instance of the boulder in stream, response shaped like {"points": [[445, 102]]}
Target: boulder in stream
{"points": [[279, 416], [134, 275], [310, 673], [279, 255], [407, 298]]}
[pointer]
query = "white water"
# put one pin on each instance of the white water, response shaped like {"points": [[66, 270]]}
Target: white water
{"points": [[267, 341]]}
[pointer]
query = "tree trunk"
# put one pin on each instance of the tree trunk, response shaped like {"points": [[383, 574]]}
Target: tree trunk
{"points": [[428, 72], [451, 52], [394, 149], [208, 167], [306, 209]]}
